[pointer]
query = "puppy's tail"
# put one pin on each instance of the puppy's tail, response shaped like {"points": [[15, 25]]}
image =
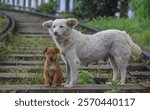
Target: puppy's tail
{"points": [[135, 49]]}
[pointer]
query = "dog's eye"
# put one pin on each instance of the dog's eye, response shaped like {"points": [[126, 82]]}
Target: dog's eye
{"points": [[54, 26], [61, 26]]}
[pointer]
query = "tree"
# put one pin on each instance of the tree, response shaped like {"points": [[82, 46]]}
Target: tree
{"points": [[123, 8], [142, 10], [93, 8]]}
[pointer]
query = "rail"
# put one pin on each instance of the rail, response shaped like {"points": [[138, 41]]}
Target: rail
{"points": [[8, 27]]}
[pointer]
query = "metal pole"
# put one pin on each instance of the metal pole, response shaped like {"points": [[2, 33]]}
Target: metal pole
{"points": [[29, 4], [13, 3], [24, 4], [36, 3], [7, 1], [17, 2]]}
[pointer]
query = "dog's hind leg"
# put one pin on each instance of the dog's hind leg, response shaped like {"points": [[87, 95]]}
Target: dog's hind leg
{"points": [[122, 64], [115, 68]]}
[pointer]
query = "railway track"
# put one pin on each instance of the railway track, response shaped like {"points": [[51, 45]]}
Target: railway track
{"points": [[21, 70], [7, 28]]}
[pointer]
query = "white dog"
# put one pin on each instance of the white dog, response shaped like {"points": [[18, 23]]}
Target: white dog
{"points": [[78, 48]]}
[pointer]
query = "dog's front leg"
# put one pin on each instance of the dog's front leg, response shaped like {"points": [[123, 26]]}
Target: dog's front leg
{"points": [[68, 72], [73, 62], [46, 78], [55, 80]]}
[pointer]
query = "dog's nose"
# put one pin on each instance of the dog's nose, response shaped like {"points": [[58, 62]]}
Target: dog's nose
{"points": [[56, 33], [51, 59]]}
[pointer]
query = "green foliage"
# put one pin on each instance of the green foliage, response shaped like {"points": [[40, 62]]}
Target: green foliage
{"points": [[142, 10], [3, 50], [48, 8], [139, 32], [66, 15], [85, 78], [2, 5], [2, 20], [93, 8], [115, 85]]}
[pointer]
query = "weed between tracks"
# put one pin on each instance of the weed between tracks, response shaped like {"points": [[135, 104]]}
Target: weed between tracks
{"points": [[2, 21]]}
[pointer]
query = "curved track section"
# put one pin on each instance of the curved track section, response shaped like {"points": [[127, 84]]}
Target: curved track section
{"points": [[9, 26]]}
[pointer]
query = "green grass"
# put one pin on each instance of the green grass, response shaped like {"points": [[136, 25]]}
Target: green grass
{"points": [[140, 33], [36, 79], [34, 42], [84, 77], [3, 50], [2, 20]]}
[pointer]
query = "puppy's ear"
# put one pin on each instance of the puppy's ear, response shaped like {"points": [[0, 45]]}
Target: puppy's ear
{"points": [[45, 50], [56, 50], [47, 24], [72, 22]]}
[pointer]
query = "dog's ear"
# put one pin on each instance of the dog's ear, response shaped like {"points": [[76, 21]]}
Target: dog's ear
{"points": [[45, 50], [56, 50], [72, 22], [47, 24]]}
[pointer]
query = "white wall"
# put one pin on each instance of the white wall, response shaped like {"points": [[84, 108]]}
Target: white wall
{"points": [[62, 6]]}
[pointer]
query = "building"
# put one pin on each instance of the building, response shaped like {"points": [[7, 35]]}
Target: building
{"points": [[66, 5], [63, 5]]}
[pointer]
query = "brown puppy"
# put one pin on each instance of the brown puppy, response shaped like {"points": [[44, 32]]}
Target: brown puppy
{"points": [[52, 71]]}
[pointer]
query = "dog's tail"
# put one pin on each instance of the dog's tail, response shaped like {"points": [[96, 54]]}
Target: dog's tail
{"points": [[135, 49]]}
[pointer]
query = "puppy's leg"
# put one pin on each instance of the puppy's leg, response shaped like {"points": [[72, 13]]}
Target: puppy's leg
{"points": [[122, 64], [55, 80], [46, 78]]}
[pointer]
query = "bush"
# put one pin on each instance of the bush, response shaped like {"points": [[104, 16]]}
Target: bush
{"points": [[3, 50], [142, 10], [2, 20], [2, 5], [93, 8], [48, 8], [85, 78]]}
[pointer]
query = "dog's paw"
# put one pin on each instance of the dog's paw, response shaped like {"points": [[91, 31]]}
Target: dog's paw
{"points": [[108, 83], [46, 85], [68, 85], [53, 86], [121, 83]]}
